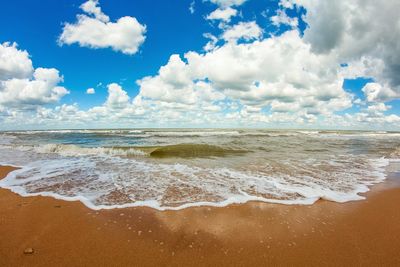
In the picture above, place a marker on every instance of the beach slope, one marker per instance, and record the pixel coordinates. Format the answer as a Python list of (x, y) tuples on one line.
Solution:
[(363, 233)]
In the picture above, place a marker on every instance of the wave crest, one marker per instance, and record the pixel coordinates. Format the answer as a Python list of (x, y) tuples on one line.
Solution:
[(167, 151), (193, 151), (74, 150)]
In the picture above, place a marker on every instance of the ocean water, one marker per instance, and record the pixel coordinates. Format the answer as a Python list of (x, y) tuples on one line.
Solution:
[(176, 168)]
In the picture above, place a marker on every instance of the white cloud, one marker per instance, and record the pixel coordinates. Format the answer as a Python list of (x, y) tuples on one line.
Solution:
[(117, 97), (242, 31), (376, 92), (22, 86), (90, 91), (223, 14), (91, 7), (40, 90), (212, 43), (95, 30), (286, 3), (244, 79), (14, 63), (175, 84), (192, 7), (345, 28), (280, 73), (228, 3), (281, 18), (374, 116), (378, 108)]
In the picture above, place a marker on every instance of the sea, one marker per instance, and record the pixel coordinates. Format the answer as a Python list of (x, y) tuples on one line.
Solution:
[(172, 169)]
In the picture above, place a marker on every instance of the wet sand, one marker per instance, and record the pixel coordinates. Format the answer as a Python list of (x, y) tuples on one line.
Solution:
[(363, 233)]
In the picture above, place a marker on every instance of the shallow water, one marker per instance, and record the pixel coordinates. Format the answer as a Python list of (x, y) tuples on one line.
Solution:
[(176, 168)]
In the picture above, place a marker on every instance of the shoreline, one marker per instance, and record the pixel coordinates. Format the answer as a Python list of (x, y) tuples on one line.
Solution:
[(389, 168), (66, 233)]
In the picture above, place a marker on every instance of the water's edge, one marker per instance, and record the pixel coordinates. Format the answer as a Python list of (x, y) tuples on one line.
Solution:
[(386, 175)]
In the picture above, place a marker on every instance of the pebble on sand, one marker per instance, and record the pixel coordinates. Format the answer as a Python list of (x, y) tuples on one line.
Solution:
[(29, 251)]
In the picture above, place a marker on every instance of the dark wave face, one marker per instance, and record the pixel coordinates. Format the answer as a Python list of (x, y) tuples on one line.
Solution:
[(178, 168), (193, 151)]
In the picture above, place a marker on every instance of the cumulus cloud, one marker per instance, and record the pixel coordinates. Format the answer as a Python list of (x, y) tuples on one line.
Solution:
[(378, 108), (41, 89), (223, 14), (95, 30), (212, 43), (175, 83), (91, 7), (21, 86), (243, 78), (90, 91), (228, 3), (281, 18), (242, 31), (376, 92), (117, 97), (14, 63), (279, 73), (374, 116), (238, 81), (345, 28)]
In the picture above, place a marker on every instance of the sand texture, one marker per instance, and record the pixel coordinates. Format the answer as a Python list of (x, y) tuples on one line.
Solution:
[(42, 231)]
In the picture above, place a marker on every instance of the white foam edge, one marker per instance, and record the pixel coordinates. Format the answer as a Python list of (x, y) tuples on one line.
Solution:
[(380, 165), (149, 203)]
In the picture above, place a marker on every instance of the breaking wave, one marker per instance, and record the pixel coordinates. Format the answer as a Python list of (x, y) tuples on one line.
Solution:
[(167, 151)]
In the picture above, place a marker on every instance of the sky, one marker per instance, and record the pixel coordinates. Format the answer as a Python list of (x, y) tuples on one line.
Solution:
[(200, 63)]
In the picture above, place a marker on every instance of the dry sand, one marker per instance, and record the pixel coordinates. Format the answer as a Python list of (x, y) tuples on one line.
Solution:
[(364, 233)]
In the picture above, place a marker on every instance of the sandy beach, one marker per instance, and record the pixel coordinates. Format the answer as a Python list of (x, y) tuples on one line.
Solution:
[(363, 233), (199, 133)]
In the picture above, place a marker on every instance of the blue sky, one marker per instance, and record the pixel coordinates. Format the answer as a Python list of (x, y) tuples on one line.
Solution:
[(172, 29), (362, 93), (36, 29)]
